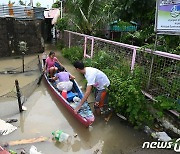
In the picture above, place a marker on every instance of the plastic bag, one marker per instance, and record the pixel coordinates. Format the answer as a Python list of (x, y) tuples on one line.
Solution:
[(6, 128), (33, 150)]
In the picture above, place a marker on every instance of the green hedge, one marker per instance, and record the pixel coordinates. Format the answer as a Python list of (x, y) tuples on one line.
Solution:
[(73, 54), (125, 94)]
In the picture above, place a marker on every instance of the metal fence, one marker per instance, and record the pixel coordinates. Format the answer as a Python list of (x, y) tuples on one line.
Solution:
[(161, 69)]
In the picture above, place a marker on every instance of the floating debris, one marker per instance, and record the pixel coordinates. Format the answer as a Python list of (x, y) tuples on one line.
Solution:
[(90, 128), (23, 151), (97, 149), (75, 135), (11, 120), (61, 136), (26, 141), (162, 136), (121, 116), (6, 128), (33, 150), (12, 152), (24, 108)]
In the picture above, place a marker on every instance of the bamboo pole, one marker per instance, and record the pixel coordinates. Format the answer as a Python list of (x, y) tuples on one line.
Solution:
[(18, 95)]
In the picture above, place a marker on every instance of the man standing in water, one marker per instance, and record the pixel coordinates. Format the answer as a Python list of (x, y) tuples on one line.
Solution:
[(95, 78)]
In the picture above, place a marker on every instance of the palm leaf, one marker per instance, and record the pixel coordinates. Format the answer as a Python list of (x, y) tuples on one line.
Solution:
[(87, 26), (90, 8), (76, 25), (83, 15)]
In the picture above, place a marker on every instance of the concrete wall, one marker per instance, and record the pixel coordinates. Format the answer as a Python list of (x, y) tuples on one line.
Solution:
[(13, 31)]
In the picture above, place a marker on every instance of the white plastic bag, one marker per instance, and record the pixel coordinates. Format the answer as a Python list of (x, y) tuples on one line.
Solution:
[(6, 128), (33, 150), (162, 136)]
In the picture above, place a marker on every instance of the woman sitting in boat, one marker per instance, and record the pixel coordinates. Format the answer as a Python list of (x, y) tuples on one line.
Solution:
[(63, 77), (50, 64)]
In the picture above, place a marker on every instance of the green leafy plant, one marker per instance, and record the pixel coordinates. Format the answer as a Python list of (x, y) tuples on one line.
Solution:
[(62, 24), (125, 97), (9, 2), (164, 103), (38, 4), (22, 3), (100, 60), (123, 23), (73, 54), (60, 45), (86, 16), (57, 4)]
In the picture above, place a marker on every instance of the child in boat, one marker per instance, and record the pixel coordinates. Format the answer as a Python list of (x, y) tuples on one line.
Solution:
[(63, 78)]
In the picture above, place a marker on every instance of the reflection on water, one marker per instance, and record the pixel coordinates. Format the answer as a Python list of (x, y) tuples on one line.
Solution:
[(46, 114), (9, 105), (7, 80)]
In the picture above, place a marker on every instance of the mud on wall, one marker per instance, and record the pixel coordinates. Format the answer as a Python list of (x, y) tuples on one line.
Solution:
[(12, 31)]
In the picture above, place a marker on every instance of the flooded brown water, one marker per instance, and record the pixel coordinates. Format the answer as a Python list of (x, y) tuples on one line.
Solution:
[(45, 114)]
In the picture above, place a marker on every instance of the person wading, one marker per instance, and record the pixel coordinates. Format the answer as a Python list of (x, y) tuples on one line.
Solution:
[(95, 78)]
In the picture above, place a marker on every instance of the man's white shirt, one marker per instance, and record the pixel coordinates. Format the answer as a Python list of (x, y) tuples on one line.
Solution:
[(96, 78)]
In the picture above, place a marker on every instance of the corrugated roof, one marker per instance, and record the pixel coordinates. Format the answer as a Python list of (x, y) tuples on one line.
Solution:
[(39, 12), (23, 12)]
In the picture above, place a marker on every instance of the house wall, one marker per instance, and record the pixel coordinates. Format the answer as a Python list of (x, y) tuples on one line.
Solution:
[(13, 31)]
